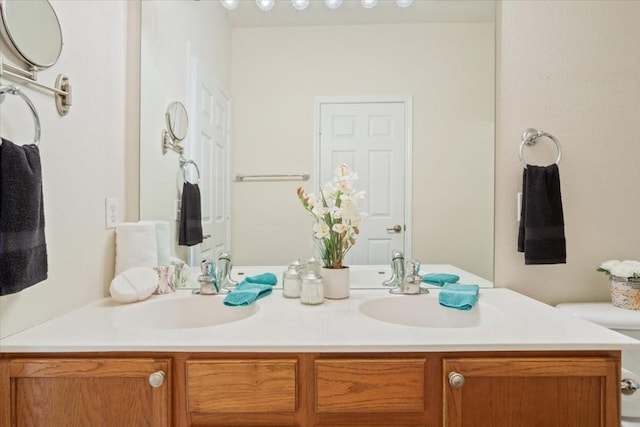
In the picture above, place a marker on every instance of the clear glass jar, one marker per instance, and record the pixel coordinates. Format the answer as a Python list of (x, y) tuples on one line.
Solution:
[(291, 283), (312, 289)]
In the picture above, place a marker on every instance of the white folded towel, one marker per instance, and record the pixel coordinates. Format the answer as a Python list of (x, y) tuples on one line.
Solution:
[(162, 240), (134, 284), (136, 246)]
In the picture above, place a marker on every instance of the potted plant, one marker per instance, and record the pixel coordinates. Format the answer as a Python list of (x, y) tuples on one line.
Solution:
[(624, 282), (337, 220)]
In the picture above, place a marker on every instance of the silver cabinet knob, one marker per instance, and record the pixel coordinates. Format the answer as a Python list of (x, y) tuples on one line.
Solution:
[(156, 379), (395, 229), (456, 380)]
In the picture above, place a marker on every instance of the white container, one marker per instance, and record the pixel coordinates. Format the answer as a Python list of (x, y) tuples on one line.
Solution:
[(312, 289), (291, 283)]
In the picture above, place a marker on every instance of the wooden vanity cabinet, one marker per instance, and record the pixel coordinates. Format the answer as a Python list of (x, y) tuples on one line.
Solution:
[(96, 392), (466, 389)]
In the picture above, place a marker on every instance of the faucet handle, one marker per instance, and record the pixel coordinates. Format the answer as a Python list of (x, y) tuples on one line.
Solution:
[(413, 268), (206, 266)]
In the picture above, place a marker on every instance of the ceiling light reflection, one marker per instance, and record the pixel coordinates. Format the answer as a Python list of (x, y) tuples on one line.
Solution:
[(368, 4), (333, 4), (230, 4), (265, 5), (300, 4)]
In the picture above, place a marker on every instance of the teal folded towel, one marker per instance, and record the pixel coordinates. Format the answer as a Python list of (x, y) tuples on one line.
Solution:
[(440, 279), (251, 289), (458, 296), (263, 279)]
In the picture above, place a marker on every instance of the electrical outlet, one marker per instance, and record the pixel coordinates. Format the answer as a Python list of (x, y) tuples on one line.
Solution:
[(177, 210), (111, 212)]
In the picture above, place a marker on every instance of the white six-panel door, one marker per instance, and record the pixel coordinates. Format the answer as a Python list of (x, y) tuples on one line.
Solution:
[(210, 127), (371, 137)]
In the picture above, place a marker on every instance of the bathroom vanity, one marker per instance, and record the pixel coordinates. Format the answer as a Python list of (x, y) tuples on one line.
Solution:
[(510, 361)]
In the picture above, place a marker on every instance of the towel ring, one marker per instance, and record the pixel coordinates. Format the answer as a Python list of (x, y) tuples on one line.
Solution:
[(183, 164), (530, 137), (13, 90)]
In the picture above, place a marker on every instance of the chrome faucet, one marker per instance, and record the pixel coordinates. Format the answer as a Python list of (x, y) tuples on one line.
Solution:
[(223, 273), (206, 280), (397, 270), (410, 284)]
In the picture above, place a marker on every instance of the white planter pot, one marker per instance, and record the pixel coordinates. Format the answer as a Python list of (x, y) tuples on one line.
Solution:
[(337, 282)]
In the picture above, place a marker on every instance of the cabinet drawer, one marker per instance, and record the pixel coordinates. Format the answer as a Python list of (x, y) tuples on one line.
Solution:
[(242, 386), (369, 385)]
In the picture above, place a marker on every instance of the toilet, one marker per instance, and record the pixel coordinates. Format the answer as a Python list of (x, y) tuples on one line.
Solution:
[(626, 322)]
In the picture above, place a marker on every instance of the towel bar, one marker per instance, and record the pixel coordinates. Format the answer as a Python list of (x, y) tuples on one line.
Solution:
[(183, 164), (13, 90), (302, 176), (530, 137)]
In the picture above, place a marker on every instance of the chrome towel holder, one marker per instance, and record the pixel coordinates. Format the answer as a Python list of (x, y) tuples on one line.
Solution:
[(530, 137), (184, 163), (13, 90)]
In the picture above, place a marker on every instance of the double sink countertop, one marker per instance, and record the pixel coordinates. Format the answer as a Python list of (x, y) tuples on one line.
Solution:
[(502, 320)]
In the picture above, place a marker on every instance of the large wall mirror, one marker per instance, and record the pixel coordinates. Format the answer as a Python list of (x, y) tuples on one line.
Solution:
[(254, 76)]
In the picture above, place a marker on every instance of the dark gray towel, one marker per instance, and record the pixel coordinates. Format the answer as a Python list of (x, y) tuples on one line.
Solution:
[(23, 250), (190, 232), (541, 231)]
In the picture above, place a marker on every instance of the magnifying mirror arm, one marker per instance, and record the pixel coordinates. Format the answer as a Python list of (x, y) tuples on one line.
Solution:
[(169, 143), (62, 89)]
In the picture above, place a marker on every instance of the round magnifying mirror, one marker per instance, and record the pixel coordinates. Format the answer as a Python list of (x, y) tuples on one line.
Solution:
[(32, 30), (177, 120)]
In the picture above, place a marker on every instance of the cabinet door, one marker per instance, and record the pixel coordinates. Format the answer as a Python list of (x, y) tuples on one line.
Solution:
[(562, 392), (84, 392)]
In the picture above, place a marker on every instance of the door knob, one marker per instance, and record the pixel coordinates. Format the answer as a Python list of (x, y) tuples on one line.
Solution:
[(156, 379), (456, 380), (396, 228), (206, 236)]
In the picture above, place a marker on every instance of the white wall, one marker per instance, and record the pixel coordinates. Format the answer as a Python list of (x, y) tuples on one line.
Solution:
[(86, 156), (173, 31), (448, 69), (572, 69)]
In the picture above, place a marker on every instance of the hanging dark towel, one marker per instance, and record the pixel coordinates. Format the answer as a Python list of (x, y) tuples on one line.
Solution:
[(541, 231), (23, 250), (190, 232)]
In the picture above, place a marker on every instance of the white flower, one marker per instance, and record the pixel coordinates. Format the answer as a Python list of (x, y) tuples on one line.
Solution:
[(607, 265), (321, 229), (339, 228), (319, 210), (624, 269)]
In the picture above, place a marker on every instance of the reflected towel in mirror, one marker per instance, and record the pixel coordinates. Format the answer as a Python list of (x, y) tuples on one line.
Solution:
[(190, 232)]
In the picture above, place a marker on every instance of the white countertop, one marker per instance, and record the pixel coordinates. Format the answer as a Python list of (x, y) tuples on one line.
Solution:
[(284, 325)]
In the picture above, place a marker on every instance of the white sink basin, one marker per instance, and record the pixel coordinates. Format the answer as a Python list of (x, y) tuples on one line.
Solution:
[(192, 311), (425, 311)]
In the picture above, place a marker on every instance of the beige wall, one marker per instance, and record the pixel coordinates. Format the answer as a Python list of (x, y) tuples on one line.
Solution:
[(448, 69), (86, 156), (571, 68)]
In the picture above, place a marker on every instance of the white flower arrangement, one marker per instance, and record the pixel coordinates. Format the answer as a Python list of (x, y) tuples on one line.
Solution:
[(337, 217), (625, 269)]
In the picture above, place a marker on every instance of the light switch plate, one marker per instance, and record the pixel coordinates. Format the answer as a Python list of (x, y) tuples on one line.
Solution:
[(111, 212)]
